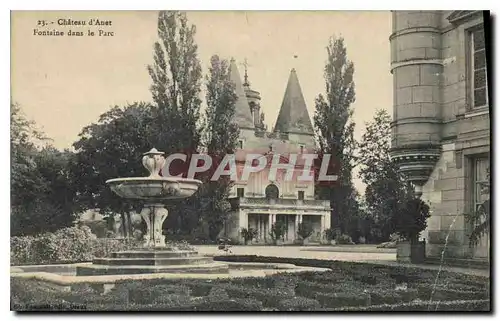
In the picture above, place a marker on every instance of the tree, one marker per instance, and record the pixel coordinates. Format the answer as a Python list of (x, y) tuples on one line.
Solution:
[(176, 76), (220, 138), (42, 194), (335, 129), (112, 148), (24, 136), (412, 218), (385, 186)]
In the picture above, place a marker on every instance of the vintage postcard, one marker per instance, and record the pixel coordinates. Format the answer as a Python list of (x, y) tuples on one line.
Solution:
[(250, 161)]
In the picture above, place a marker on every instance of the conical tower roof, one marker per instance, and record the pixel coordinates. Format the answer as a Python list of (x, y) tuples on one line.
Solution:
[(242, 115), (293, 116)]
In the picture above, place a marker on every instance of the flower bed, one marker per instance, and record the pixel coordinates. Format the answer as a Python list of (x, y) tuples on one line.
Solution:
[(347, 287)]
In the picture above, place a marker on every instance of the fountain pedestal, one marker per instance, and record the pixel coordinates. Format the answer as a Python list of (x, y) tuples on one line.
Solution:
[(148, 260), (154, 257), (154, 215)]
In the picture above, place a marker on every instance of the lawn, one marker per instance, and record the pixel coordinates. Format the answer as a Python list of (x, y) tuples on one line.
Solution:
[(347, 287)]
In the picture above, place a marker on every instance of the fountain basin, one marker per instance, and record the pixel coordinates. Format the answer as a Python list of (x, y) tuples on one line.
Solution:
[(154, 188)]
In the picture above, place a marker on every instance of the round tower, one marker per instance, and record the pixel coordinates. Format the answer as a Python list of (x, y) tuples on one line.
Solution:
[(416, 67)]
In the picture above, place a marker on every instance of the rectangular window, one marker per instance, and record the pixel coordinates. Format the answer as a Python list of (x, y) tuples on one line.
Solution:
[(480, 179), (240, 191), (478, 74), (301, 149), (240, 144), (301, 195)]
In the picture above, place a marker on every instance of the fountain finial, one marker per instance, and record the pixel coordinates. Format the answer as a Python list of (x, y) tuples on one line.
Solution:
[(153, 161)]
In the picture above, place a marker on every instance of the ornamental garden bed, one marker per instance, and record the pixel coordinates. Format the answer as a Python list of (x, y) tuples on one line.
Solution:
[(347, 287)]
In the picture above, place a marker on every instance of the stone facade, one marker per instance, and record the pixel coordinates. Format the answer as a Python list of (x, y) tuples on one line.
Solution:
[(441, 128), (261, 200)]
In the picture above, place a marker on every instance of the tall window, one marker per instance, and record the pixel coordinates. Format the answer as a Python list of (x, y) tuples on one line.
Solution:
[(301, 195), (240, 144), (478, 79), (480, 178), (240, 192)]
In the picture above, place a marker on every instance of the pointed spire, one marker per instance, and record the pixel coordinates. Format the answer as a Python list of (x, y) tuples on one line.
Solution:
[(242, 115), (245, 82), (293, 116)]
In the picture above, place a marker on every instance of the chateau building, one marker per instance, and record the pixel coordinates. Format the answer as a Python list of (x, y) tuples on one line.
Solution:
[(441, 127), (262, 200)]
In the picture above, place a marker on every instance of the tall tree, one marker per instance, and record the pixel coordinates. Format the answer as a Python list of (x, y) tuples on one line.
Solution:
[(176, 87), (220, 138), (112, 148), (42, 194), (385, 186), (335, 129)]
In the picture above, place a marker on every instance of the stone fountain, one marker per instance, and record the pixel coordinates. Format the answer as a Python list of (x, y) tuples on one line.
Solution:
[(153, 256)]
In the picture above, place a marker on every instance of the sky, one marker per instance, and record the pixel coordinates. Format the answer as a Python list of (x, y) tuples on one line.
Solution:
[(64, 83)]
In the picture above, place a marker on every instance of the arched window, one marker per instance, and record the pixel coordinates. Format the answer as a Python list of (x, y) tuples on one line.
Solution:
[(272, 191)]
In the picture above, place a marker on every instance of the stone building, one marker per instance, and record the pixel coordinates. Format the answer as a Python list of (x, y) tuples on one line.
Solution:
[(441, 128), (261, 200)]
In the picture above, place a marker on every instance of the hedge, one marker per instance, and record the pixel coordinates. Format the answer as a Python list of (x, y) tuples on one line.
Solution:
[(270, 298), (458, 306), (347, 287), (395, 273), (68, 245), (298, 304), (342, 299)]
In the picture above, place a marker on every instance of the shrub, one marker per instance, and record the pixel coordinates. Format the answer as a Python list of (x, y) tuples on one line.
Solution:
[(428, 292), (298, 304), (68, 245), (277, 230), (412, 218), (248, 234), (218, 293), (200, 288), (344, 239), (147, 293), (99, 228), (333, 300), (269, 298), (459, 305), (329, 234), (207, 304), (305, 230), (384, 297), (366, 278)]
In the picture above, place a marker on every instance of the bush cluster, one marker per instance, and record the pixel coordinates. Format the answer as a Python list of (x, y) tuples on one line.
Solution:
[(67, 245)]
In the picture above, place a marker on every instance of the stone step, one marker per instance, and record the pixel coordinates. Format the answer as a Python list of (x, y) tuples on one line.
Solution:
[(154, 261), (153, 254), (99, 269)]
